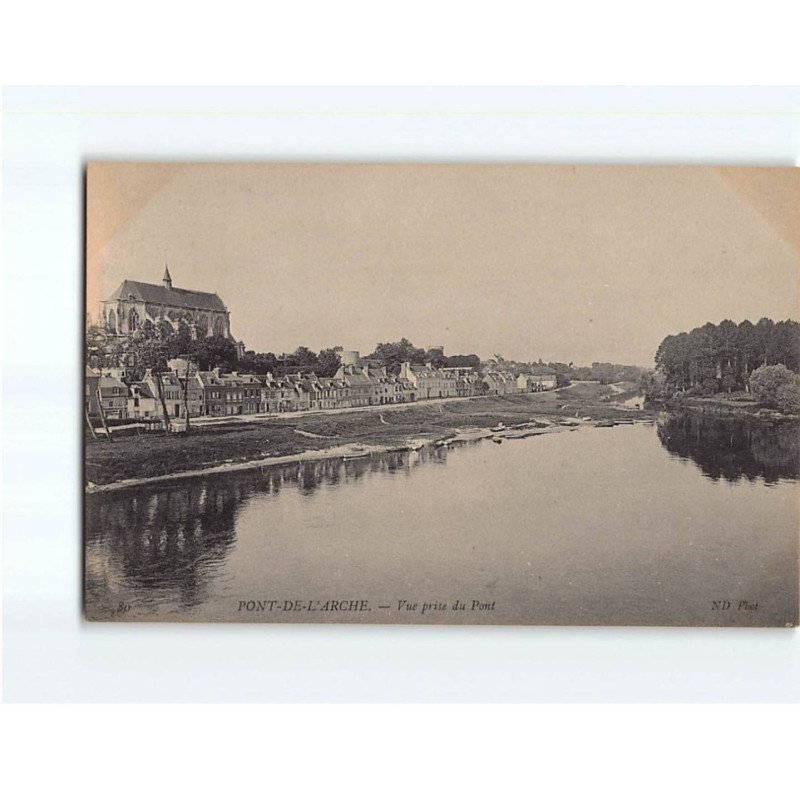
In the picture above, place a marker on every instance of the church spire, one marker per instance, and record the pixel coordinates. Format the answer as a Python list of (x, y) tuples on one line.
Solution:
[(167, 279)]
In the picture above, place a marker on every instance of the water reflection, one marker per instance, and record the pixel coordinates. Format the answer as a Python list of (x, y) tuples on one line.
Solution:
[(732, 448), (170, 541), (534, 525)]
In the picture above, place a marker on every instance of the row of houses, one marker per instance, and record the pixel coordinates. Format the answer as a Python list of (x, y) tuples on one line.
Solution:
[(210, 393)]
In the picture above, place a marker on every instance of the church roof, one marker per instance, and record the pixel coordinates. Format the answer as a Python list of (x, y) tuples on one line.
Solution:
[(181, 298)]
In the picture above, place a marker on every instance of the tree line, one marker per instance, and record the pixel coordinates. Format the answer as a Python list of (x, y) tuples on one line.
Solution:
[(151, 346), (392, 354), (601, 371), (721, 358)]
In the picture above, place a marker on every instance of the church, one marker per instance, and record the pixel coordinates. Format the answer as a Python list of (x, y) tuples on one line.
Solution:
[(135, 303)]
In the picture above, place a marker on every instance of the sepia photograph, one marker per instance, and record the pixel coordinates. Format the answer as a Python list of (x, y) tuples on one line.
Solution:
[(463, 394)]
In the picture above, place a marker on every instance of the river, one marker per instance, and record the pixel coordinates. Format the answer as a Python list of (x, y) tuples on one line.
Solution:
[(691, 520)]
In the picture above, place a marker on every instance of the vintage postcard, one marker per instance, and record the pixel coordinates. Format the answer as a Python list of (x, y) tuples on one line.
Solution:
[(442, 394)]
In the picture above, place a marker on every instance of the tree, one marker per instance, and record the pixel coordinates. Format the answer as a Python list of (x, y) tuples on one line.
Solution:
[(328, 362), (652, 386), (746, 349), (726, 346), (180, 342), (103, 350), (435, 356), (603, 372), (470, 360), (257, 363), (765, 328), (723, 356), (728, 378), (303, 357), (213, 351), (786, 344), (148, 349), (787, 397), (393, 354), (767, 380)]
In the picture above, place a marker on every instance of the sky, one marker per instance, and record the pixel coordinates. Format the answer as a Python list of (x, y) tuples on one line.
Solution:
[(575, 264)]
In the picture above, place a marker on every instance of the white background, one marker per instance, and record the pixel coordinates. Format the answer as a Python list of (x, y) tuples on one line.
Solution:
[(365, 751), (50, 654)]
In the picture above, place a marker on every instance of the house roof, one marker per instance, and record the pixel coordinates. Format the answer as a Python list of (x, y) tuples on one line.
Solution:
[(357, 379), (144, 389), (182, 298), (422, 372), (210, 378), (107, 384)]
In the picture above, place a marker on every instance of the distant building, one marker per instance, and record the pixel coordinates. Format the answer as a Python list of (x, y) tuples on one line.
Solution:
[(92, 382), (215, 393), (135, 303), (212, 394), (467, 380), (358, 385), (113, 397), (142, 403), (276, 395), (243, 393), (428, 382), (500, 382), (349, 358), (536, 383), (172, 391), (302, 386), (183, 365)]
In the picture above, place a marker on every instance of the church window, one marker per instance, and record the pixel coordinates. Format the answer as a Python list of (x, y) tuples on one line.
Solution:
[(133, 320), (112, 321)]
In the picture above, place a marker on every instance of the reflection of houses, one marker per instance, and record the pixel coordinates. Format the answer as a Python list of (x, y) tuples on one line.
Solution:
[(170, 539), (136, 303), (536, 383)]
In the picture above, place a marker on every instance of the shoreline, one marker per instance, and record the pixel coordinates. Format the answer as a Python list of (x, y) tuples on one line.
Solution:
[(136, 461), (354, 449), (351, 449), (722, 406)]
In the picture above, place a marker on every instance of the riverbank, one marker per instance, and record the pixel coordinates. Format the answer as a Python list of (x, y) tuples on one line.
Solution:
[(736, 404), (268, 441)]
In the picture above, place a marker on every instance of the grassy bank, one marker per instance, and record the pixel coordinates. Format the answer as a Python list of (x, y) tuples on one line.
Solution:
[(154, 454), (739, 404)]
